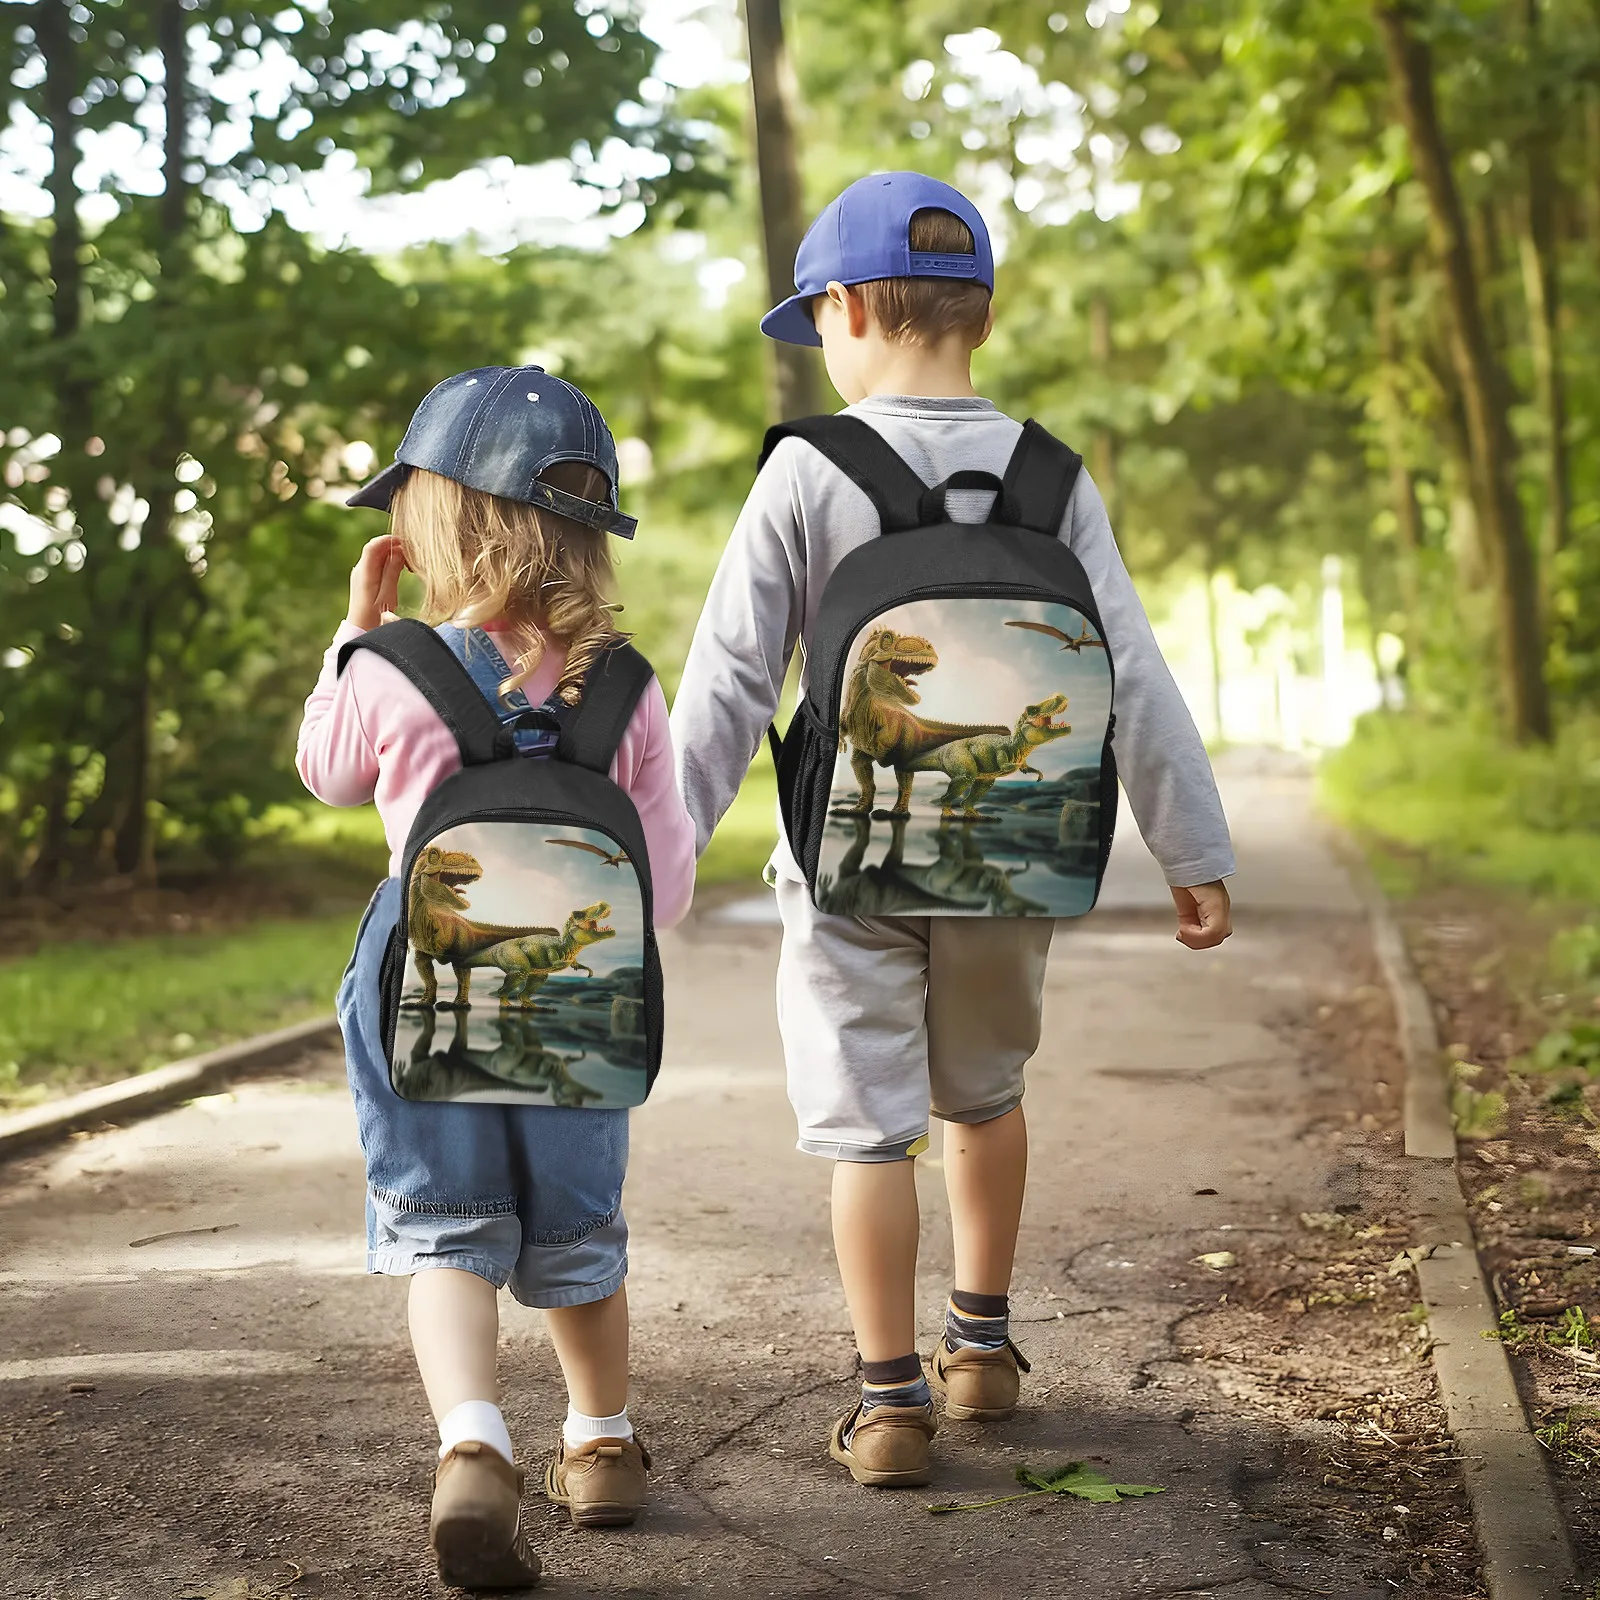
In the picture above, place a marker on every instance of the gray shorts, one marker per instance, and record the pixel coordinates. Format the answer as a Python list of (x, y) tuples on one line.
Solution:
[(885, 1019)]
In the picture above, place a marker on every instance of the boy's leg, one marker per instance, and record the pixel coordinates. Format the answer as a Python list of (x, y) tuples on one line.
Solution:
[(851, 997), (875, 1229), (985, 1174), (985, 998)]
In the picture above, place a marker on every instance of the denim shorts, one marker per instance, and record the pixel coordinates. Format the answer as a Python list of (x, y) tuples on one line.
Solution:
[(529, 1196)]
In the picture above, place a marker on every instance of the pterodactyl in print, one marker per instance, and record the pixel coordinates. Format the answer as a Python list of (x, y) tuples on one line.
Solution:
[(617, 860), (1073, 642)]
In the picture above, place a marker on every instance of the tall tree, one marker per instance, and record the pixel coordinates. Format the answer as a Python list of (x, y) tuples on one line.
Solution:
[(1541, 278), (1483, 385), (798, 390)]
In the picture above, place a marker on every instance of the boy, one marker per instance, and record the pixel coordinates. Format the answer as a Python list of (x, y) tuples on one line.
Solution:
[(885, 1018)]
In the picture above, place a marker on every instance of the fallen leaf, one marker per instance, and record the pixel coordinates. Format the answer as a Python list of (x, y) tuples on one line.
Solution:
[(1075, 1478), (1408, 1258), (1217, 1260), (1081, 1480)]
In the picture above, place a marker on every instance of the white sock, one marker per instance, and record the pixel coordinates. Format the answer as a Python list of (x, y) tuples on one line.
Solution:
[(579, 1429), (474, 1420)]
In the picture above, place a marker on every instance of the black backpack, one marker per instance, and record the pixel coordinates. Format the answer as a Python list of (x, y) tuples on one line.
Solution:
[(972, 792), (533, 872)]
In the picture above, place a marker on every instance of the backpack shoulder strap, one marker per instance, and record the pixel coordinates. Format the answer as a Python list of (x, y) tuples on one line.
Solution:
[(1038, 483), (611, 689), (432, 666), (859, 451)]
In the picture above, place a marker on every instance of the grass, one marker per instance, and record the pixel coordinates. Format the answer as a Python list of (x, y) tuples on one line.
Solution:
[(1470, 808), (88, 1011)]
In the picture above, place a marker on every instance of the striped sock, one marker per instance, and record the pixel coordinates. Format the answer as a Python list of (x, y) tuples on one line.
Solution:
[(890, 1383), (976, 1321)]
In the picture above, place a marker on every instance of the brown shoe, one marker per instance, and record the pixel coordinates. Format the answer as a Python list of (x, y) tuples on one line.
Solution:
[(889, 1447), (601, 1482), (980, 1385), (476, 1528)]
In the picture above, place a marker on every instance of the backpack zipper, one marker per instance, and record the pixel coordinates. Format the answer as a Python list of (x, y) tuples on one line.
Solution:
[(985, 591), (564, 818)]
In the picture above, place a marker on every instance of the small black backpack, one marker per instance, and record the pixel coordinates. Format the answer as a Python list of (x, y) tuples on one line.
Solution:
[(952, 753), (530, 873)]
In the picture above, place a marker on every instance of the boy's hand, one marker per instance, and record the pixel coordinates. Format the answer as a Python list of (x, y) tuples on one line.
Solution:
[(1205, 918), (375, 582)]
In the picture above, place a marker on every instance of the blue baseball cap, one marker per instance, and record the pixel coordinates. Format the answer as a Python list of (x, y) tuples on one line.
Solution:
[(866, 234), (496, 429)]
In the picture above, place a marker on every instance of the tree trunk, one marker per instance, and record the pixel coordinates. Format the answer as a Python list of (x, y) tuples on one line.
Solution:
[(1482, 386), (1103, 445), (63, 87), (798, 390), (1541, 282), (132, 847), (1402, 486), (1592, 187)]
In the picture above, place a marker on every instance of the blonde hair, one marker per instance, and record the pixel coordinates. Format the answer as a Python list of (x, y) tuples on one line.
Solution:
[(929, 310), (482, 557)]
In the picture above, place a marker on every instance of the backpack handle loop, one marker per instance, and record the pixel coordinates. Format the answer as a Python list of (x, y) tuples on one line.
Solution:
[(932, 508)]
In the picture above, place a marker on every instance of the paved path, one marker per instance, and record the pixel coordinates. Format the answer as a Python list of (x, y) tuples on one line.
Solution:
[(254, 1412)]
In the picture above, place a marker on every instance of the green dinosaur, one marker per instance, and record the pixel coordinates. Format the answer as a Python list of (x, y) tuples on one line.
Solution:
[(875, 715), (519, 1060), (975, 765), (528, 961), (436, 924)]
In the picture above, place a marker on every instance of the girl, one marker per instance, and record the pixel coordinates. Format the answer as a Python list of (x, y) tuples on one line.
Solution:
[(501, 498)]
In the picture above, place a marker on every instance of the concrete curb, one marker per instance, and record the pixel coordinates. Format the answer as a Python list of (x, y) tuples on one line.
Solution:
[(154, 1091), (1527, 1553)]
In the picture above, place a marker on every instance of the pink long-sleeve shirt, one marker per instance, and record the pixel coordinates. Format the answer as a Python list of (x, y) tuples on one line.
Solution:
[(370, 735)]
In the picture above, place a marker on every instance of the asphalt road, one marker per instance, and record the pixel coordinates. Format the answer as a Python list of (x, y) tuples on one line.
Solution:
[(203, 1395)]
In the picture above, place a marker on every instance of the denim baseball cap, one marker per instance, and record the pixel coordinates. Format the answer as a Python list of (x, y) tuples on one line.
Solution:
[(496, 429), (866, 234)]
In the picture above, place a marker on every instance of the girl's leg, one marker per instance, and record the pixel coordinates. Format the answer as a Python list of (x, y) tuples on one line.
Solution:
[(985, 1174), (455, 1332), (875, 1232), (592, 1346), (599, 1472)]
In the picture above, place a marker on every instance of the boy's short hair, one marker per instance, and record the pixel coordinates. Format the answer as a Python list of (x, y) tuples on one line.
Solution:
[(928, 310)]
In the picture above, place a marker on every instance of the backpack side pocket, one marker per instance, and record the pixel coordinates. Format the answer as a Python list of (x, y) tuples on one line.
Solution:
[(805, 779), (1108, 803)]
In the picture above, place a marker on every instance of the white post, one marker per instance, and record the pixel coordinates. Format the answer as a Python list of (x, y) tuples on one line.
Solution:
[(1335, 704)]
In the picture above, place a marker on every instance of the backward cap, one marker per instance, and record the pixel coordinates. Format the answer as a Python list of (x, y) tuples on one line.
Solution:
[(865, 234), (496, 429)]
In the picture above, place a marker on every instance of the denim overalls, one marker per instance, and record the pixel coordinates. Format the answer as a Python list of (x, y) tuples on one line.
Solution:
[(529, 1196)]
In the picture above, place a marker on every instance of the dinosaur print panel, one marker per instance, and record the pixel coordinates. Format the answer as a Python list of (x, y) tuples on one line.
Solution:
[(967, 780), (524, 970)]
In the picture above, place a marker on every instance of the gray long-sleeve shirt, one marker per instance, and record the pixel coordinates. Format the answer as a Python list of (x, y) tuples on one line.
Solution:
[(804, 516)]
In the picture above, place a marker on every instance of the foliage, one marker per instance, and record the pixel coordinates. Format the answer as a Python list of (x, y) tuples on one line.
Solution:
[(1219, 278), (1475, 807), (190, 381), (1477, 1113)]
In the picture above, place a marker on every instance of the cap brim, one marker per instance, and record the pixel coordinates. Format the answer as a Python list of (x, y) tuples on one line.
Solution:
[(791, 322), (378, 492)]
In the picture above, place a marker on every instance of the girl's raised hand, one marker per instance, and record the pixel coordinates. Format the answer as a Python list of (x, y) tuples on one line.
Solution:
[(375, 581)]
